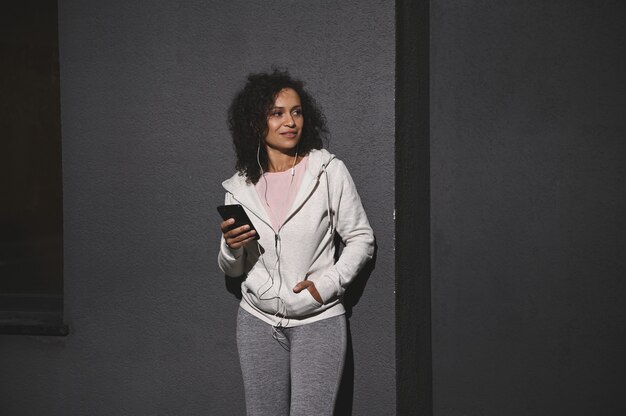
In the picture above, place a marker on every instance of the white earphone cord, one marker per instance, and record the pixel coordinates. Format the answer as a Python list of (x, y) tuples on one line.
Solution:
[(281, 307)]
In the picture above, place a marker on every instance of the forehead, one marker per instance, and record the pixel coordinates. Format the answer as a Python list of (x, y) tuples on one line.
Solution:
[(287, 97)]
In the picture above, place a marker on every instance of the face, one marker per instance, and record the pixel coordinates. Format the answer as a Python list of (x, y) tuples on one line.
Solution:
[(285, 122)]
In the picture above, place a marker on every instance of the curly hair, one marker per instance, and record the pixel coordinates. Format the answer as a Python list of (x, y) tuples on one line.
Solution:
[(247, 120)]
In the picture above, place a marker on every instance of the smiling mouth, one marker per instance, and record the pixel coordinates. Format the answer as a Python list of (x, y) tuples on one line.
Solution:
[(289, 134)]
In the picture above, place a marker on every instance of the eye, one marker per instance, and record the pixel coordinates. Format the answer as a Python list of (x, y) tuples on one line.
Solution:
[(297, 112), (276, 113)]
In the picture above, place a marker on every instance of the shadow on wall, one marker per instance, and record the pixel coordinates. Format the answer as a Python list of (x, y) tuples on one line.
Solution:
[(350, 299)]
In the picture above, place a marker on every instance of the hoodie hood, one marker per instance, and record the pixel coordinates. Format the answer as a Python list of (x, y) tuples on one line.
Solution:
[(245, 193), (318, 161)]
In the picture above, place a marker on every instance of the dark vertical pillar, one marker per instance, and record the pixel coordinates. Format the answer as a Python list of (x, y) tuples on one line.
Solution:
[(31, 180), (412, 210), (527, 129)]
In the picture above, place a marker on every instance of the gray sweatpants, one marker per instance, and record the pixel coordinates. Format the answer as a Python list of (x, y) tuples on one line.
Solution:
[(299, 375)]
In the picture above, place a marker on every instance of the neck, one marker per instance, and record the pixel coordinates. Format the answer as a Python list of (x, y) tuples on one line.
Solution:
[(279, 162)]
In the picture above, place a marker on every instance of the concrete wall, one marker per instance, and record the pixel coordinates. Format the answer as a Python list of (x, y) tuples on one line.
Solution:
[(527, 154), (144, 90)]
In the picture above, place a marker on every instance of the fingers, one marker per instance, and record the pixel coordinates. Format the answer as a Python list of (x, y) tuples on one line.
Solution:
[(238, 244), (237, 237), (307, 284), (238, 232), (225, 225), (240, 239), (315, 293), (301, 286), (235, 232)]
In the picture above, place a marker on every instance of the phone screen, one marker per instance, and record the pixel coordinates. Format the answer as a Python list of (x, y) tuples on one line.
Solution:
[(236, 212)]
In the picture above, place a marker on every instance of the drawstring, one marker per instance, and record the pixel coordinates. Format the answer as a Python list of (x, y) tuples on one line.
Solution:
[(331, 227)]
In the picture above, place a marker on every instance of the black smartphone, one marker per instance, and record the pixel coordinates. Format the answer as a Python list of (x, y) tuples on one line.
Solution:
[(237, 212)]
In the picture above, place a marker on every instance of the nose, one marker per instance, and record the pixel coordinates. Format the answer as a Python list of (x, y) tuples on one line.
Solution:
[(289, 121)]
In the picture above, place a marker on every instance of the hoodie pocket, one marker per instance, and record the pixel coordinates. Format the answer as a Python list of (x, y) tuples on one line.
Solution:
[(259, 291), (301, 304)]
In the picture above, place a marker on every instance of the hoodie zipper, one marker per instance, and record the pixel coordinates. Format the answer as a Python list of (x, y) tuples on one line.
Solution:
[(293, 210)]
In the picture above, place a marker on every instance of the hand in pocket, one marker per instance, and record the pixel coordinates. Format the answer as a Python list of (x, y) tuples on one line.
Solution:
[(310, 286)]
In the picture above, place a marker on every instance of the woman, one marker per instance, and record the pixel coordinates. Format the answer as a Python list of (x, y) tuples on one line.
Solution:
[(291, 327)]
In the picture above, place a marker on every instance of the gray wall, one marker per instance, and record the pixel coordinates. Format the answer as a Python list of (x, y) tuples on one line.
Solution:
[(144, 90), (528, 115)]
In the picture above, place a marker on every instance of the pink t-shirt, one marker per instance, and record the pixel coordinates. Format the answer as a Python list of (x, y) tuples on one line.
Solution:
[(278, 190)]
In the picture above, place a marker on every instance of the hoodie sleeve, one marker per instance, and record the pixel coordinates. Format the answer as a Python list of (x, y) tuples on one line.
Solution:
[(231, 261), (351, 224)]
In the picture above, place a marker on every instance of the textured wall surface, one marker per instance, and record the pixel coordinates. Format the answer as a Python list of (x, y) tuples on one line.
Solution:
[(528, 125), (144, 91)]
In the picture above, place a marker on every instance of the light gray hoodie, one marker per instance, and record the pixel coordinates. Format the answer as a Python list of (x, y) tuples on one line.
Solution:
[(303, 248)]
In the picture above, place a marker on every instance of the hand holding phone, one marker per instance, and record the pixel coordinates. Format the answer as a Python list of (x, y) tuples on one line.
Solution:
[(237, 227)]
